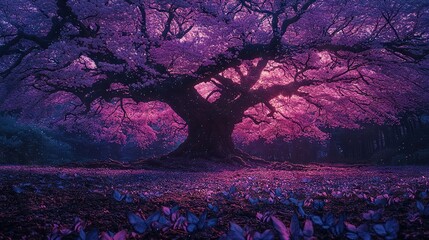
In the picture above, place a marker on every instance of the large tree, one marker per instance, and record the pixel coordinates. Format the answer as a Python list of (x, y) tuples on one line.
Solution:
[(144, 69)]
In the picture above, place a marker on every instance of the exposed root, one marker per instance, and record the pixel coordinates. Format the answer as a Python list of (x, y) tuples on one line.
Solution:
[(237, 160), (194, 164), (111, 164), (287, 166)]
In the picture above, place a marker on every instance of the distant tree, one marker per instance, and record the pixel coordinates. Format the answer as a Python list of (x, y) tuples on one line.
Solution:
[(127, 70), (28, 144)]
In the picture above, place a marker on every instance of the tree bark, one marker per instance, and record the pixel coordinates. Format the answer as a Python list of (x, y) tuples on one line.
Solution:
[(209, 128), (207, 138)]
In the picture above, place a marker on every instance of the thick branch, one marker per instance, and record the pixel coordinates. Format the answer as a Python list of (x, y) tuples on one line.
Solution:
[(264, 95), (254, 74), (65, 15)]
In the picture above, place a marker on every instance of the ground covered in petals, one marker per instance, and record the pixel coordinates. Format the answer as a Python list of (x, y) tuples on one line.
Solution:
[(320, 202)]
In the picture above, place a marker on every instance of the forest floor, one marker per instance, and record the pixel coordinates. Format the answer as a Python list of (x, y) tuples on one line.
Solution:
[(327, 202)]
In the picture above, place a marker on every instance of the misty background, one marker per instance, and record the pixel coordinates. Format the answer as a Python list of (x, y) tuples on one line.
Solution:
[(406, 143)]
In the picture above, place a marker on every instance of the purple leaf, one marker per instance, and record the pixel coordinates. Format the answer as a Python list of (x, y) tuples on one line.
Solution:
[(301, 211), (281, 228), (295, 229), (121, 235), (212, 222), (317, 220), (213, 208), (202, 220), (364, 235), (236, 228), (137, 222), (82, 235), (54, 236), (308, 230), (179, 223), (372, 215), (154, 217), (191, 228), (328, 220), (128, 198), (420, 206), (232, 189), (392, 226), (17, 189), (380, 230), (166, 210), (163, 220), (118, 196), (174, 209), (318, 204), (266, 235), (352, 236), (192, 218), (174, 216), (235, 232), (91, 235), (350, 227), (339, 227)]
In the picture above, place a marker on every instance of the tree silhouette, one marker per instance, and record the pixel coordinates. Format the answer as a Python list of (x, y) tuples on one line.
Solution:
[(210, 70)]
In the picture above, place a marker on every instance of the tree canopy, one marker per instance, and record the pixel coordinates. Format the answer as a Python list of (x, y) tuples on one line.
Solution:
[(140, 70)]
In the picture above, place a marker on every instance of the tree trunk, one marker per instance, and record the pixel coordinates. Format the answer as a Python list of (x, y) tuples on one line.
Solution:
[(209, 128), (207, 138)]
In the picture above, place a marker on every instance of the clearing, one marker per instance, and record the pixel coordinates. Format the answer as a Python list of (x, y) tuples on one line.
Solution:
[(37, 202)]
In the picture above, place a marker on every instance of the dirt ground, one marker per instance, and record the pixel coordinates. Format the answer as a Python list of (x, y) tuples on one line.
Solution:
[(36, 202)]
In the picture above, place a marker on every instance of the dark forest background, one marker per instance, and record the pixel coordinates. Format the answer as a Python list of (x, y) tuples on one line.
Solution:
[(406, 143)]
